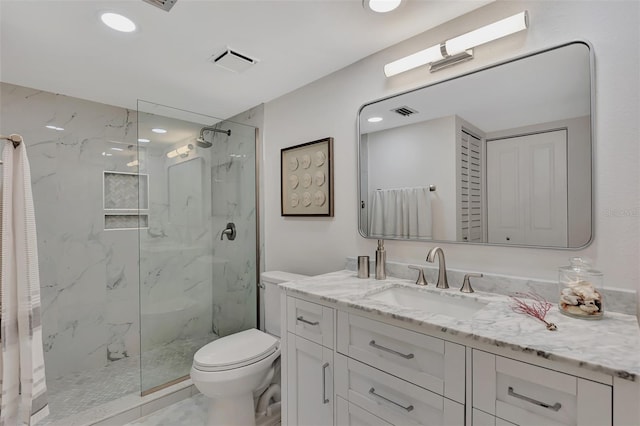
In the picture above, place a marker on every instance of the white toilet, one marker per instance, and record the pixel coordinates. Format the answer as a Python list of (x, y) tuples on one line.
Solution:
[(231, 369)]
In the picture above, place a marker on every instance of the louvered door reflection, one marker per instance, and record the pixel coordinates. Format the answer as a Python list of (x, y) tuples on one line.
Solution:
[(470, 189)]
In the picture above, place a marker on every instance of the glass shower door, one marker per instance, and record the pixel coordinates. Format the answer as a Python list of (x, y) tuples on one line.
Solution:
[(196, 284)]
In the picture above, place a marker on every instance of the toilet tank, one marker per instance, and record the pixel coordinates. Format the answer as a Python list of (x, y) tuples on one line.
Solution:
[(269, 281)]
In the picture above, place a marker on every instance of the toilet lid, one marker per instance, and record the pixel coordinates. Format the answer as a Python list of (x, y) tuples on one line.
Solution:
[(235, 350)]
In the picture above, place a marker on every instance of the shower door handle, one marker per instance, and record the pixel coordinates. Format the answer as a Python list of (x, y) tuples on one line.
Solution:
[(229, 231)]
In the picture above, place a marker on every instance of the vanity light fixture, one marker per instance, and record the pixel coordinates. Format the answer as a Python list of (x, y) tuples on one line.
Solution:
[(381, 6), (183, 151), (117, 22), (459, 48), (374, 119)]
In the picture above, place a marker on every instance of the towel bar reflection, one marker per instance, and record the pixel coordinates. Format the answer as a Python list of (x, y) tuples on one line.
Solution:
[(432, 188)]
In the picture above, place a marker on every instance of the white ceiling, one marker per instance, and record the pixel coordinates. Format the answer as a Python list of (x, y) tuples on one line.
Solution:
[(62, 47)]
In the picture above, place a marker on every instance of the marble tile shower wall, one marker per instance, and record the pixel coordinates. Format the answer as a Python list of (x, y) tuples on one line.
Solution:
[(92, 279), (234, 262), (89, 277), (175, 272)]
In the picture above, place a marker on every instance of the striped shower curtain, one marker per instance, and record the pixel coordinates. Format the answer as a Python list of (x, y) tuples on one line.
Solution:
[(23, 400)]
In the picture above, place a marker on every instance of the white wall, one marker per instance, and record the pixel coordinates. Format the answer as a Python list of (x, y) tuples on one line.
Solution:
[(328, 107)]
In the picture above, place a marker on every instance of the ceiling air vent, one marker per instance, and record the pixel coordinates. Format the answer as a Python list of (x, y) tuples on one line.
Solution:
[(165, 5), (404, 111), (233, 61)]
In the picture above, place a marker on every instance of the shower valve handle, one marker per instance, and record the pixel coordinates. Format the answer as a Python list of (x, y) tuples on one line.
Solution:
[(229, 231)]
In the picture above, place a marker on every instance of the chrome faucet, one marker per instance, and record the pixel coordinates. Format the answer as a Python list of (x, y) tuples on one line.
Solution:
[(442, 267)]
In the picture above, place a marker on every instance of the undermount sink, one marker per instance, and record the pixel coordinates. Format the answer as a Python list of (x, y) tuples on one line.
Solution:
[(456, 307)]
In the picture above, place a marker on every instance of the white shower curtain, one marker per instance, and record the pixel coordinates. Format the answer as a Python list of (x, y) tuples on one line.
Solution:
[(23, 400), (400, 213)]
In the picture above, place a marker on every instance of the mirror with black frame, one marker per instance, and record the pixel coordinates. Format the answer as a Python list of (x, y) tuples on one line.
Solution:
[(502, 155)]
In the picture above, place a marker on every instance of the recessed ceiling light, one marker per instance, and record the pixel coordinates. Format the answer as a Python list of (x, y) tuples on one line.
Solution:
[(381, 6), (158, 130), (374, 119), (118, 22), (143, 140)]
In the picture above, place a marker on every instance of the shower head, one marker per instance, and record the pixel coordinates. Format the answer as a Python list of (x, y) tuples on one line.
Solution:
[(202, 142)]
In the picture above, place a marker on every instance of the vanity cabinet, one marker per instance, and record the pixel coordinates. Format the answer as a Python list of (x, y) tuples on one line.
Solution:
[(526, 394), (343, 366), (309, 363)]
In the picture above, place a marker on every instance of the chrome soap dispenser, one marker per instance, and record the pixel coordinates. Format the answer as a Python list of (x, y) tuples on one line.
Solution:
[(381, 258)]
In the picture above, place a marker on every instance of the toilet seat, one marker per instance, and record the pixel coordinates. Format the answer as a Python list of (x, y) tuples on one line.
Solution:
[(235, 351)]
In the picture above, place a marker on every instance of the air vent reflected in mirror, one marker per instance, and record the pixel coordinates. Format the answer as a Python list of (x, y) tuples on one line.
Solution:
[(404, 111)]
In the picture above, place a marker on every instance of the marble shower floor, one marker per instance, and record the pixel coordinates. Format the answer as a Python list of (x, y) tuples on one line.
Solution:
[(78, 392)]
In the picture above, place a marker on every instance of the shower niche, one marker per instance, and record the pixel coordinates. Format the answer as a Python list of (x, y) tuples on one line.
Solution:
[(125, 200)]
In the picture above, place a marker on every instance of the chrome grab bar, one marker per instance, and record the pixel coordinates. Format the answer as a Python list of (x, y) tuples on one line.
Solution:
[(554, 407), (391, 351), (301, 319), (325, 400), (408, 409)]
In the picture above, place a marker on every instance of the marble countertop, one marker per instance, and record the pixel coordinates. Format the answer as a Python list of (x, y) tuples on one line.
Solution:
[(610, 345)]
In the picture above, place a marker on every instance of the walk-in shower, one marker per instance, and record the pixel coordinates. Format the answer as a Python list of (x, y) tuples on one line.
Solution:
[(134, 275), (195, 286)]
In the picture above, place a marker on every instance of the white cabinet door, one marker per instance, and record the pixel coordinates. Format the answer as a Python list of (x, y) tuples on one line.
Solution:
[(527, 189), (309, 382)]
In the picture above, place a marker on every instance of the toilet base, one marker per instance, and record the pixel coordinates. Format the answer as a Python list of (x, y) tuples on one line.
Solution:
[(233, 411)]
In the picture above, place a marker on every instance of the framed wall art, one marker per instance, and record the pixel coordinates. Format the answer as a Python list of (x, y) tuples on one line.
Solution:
[(306, 173)]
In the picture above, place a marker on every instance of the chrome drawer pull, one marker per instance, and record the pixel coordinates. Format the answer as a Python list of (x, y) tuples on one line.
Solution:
[(408, 409), (554, 407), (391, 351), (325, 400), (301, 319)]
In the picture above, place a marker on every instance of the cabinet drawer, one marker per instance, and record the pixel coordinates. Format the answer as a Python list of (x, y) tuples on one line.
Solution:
[(348, 414), (392, 399), (311, 321), (426, 361), (526, 394), (480, 418)]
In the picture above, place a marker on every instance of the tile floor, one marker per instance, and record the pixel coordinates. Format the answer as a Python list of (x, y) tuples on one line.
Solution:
[(78, 392), (189, 412)]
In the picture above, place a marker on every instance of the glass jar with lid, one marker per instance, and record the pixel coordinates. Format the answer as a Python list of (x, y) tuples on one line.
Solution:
[(580, 290)]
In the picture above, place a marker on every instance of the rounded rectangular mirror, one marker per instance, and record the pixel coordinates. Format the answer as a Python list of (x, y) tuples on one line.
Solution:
[(502, 155)]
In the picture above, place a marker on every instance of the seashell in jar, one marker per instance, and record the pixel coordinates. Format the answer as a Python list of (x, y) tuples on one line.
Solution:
[(569, 299), (590, 307), (585, 290)]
